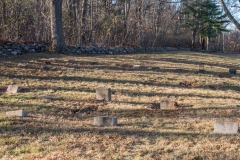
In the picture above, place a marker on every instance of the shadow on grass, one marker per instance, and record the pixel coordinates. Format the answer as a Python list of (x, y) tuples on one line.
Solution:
[(24, 126), (185, 61), (122, 66), (90, 79)]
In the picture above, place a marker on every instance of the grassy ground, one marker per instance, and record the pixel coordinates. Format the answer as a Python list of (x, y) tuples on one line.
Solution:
[(61, 128)]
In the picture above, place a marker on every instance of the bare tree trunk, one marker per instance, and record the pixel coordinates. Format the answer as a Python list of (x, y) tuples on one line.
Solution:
[(83, 22), (194, 32), (229, 14), (58, 43), (221, 42), (3, 19), (208, 45), (4, 12), (126, 14)]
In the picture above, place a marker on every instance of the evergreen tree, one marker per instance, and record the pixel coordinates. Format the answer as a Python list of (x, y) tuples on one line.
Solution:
[(204, 18)]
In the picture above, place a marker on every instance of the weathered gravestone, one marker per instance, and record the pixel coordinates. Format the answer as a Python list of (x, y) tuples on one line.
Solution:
[(53, 59), (103, 93), (47, 97), (22, 65), (136, 66), (155, 68), (201, 68), (71, 60), (48, 62), (105, 121), (94, 62), (70, 69), (167, 104), (46, 68), (225, 127), (20, 113), (14, 89), (233, 71), (153, 106)]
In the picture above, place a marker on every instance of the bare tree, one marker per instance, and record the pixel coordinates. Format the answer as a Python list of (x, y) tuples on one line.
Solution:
[(58, 42), (228, 13)]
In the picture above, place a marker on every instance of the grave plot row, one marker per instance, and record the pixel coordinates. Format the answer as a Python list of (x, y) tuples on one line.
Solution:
[(201, 69), (104, 93)]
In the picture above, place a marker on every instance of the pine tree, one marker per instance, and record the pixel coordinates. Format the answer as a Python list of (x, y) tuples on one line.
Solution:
[(204, 18)]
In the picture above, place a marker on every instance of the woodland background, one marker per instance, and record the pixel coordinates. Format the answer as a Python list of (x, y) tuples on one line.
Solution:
[(148, 23)]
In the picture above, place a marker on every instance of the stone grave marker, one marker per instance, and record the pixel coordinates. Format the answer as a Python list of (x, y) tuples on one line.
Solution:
[(201, 68), (103, 93), (47, 97), (155, 68), (225, 127), (14, 89), (105, 121), (167, 104), (22, 65), (94, 62), (136, 66), (46, 68), (233, 71), (71, 60), (153, 106), (70, 69), (179, 70), (53, 59), (48, 62), (20, 113)]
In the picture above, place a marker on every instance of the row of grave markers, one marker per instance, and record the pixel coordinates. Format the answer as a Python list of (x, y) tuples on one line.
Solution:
[(232, 71), (222, 127), (103, 93)]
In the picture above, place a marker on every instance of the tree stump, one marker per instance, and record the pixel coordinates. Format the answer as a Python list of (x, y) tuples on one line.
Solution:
[(105, 121)]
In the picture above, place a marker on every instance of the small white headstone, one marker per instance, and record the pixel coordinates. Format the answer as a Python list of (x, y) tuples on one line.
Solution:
[(47, 97), (105, 121), (225, 127), (70, 69), (137, 66), (20, 113), (22, 64), (167, 104), (13, 89)]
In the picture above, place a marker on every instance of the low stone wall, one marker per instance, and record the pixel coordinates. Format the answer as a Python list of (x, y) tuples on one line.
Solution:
[(18, 48)]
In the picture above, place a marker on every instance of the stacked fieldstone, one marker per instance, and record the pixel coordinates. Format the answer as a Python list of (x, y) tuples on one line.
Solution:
[(18, 48)]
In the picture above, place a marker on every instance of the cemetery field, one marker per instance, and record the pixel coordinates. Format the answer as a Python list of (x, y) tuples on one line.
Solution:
[(60, 98)]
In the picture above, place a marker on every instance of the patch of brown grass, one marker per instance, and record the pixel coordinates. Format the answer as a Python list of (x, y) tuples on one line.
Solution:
[(61, 128)]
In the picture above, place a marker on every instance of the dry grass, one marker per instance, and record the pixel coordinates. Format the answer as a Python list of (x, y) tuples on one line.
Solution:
[(61, 128)]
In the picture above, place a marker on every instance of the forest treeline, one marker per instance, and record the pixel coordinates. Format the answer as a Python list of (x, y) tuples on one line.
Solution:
[(148, 23)]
